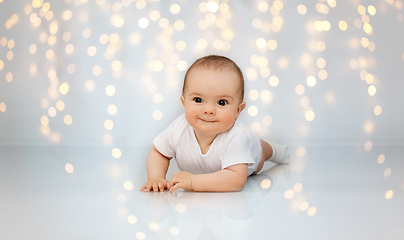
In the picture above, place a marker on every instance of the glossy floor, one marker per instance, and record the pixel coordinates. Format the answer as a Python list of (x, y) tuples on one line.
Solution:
[(324, 193)]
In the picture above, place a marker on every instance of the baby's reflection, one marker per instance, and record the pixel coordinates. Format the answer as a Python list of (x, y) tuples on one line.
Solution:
[(212, 215), (267, 178)]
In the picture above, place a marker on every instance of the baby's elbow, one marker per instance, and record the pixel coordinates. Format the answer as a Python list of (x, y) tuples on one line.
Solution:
[(239, 184), (238, 177)]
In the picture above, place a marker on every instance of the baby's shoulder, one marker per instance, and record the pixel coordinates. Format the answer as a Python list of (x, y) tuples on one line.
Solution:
[(236, 134), (180, 122), (181, 118), (179, 127)]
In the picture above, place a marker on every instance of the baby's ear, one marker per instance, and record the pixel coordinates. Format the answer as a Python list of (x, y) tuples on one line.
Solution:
[(241, 107), (183, 100)]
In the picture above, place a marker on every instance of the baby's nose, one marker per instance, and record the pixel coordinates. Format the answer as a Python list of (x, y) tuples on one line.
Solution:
[(209, 111)]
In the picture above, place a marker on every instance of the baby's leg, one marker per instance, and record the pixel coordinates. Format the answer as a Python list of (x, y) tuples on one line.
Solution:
[(267, 152), (274, 153)]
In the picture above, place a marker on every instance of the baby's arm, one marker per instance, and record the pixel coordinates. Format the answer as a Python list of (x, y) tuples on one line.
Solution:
[(157, 166), (230, 179)]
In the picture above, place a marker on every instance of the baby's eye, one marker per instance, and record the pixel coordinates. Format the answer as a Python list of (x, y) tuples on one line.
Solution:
[(198, 100), (222, 102)]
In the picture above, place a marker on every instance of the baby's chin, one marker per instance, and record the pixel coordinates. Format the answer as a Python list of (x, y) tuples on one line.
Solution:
[(211, 130)]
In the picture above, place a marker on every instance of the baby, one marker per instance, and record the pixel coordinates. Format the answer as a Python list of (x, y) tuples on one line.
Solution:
[(212, 149)]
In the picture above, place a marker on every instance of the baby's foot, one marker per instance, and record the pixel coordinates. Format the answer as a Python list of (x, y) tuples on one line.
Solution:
[(280, 153)]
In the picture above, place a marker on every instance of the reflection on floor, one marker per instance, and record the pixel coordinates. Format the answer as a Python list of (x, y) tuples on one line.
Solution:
[(85, 193)]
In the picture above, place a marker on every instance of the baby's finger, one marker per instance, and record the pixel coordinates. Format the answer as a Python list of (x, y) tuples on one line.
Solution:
[(175, 187), (150, 187), (155, 187), (173, 181), (161, 186), (143, 187)]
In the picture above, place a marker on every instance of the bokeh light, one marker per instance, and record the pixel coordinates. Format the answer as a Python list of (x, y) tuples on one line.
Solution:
[(132, 219), (143, 23), (311, 211), (91, 51), (302, 9), (381, 159), (311, 81), (116, 153), (69, 168), (301, 151), (266, 183), (299, 89), (289, 194), (122, 198), (273, 81), (110, 90), (253, 94), (68, 120), (255, 127), (304, 206), (157, 115), (52, 111), (154, 15), (265, 72), (174, 231), (175, 9), (261, 43), (272, 44), (266, 96), (368, 146), (330, 97), (9, 77), (140, 235), (108, 124), (305, 102), (112, 109), (128, 185), (369, 127), (387, 172), (60, 105), (310, 115), (180, 207), (267, 121), (342, 25), (107, 139), (2, 107), (90, 85), (64, 88), (252, 111), (389, 194), (297, 187), (283, 63), (371, 10), (182, 65), (154, 226)]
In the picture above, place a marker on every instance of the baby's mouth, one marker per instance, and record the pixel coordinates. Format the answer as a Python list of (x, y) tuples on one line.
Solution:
[(208, 121)]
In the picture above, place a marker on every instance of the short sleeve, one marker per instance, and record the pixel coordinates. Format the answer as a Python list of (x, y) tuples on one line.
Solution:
[(239, 150), (167, 141)]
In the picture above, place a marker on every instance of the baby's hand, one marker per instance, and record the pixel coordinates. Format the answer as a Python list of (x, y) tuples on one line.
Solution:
[(156, 183), (181, 180)]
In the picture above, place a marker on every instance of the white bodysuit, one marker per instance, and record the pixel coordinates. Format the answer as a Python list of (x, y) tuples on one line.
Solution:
[(235, 146)]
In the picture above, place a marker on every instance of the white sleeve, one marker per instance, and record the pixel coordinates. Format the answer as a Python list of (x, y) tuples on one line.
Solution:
[(166, 142), (239, 150)]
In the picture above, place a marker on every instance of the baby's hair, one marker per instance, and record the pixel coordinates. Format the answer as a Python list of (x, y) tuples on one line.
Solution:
[(217, 63)]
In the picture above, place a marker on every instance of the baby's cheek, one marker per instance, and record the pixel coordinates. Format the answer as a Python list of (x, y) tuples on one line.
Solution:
[(191, 112), (190, 115), (229, 120)]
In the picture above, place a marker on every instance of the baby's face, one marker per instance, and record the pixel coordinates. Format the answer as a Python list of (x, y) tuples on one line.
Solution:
[(212, 100)]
